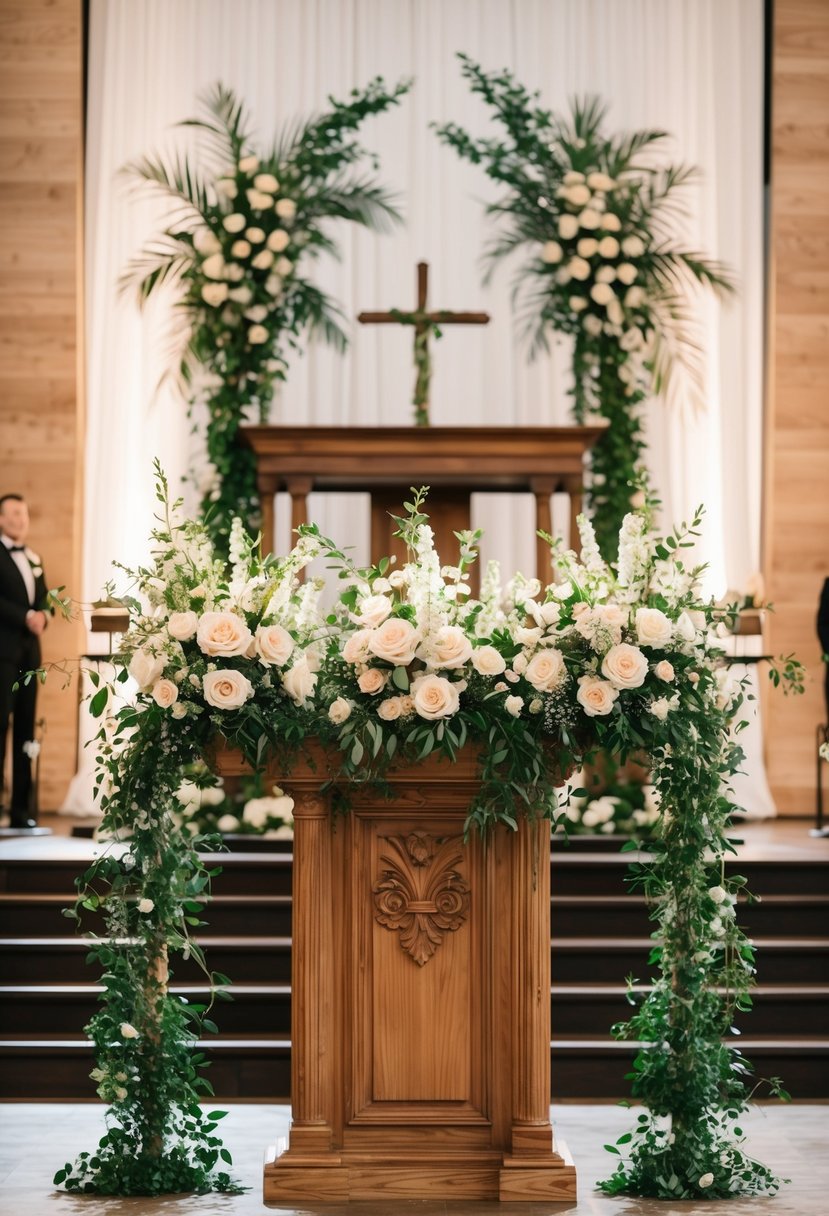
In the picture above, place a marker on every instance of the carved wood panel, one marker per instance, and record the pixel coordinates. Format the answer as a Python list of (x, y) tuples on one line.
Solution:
[(421, 893)]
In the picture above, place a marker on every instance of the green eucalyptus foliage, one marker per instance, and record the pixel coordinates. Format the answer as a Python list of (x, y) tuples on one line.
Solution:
[(244, 228), (596, 215)]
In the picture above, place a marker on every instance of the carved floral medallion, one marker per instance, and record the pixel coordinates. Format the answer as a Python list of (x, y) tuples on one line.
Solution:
[(420, 892)]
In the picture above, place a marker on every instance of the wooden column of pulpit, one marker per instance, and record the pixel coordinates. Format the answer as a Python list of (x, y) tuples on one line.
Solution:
[(455, 462), (420, 1030)]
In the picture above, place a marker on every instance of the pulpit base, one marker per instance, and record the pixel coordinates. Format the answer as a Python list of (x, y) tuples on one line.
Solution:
[(342, 1180)]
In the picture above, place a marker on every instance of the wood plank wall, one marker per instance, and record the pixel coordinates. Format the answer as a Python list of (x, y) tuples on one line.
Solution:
[(797, 471), (41, 65)]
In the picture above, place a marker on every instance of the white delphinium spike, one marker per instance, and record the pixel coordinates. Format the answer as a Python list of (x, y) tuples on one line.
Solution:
[(238, 550), (492, 613), (635, 554), (307, 613), (426, 584), (591, 558)]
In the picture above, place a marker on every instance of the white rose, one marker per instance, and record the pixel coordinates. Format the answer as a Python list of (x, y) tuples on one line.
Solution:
[(339, 711), (577, 303), (568, 226), (372, 681), (278, 240), (435, 697), (274, 645), (596, 696), (234, 222), (625, 666), (514, 705), (227, 689), (300, 682), (614, 312), (601, 293), (182, 625), (577, 194), (165, 693), (589, 219), (283, 266), (372, 611), (257, 334), (240, 249), (241, 295), (545, 670), (266, 182), (390, 709), (592, 324), (717, 894), (633, 246), (258, 313), (285, 208), (449, 647), (706, 1180), (653, 628), (273, 285), (634, 297), (395, 641), (487, 661), (223, 634), (128, 1031), (587, 246), (611, 222), (227, 188), (206, 242), (214, 266), (355, 649), (397, 579), (685, 629), (660, 708), (600, 181), (227, 823), (258, 200), (263, 260), (145, 905), (551, 252), (609, 247), (664, 671), (255, 235), (573, 175), (249, 164), (626, 273), (179, 710), (546, 615), (145, 667), (579, 269)]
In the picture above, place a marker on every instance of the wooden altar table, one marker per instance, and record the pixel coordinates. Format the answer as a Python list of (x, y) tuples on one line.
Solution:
[(455, 462)]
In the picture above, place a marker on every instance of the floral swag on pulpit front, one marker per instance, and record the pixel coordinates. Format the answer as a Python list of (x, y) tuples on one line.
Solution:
[(238, 655)]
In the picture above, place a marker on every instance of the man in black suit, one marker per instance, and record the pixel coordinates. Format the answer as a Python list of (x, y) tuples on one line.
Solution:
[(23, 618)]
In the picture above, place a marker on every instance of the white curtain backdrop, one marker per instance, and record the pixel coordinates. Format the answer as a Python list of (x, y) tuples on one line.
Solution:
[(691, 67)]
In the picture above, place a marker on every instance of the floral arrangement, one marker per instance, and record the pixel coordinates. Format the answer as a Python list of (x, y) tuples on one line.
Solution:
[(205, 807), (626, 808), (596, 215), (405, 665), (238, 248)]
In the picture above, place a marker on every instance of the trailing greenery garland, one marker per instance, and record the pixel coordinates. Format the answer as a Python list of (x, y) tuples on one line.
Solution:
[(596, 214), (235, 248)]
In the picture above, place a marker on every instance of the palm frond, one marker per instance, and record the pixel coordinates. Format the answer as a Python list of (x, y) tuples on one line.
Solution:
[(361, 200), (227, 125), (621, 154), (158, 263), (678, 357), (675, 270), (324, 317), (176, 179)]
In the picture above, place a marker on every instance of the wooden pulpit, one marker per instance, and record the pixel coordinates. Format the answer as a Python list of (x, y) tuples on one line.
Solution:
[(455, 462), (420, 992)]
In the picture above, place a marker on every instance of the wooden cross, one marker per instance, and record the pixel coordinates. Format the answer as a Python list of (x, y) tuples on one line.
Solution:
[(426, 324)]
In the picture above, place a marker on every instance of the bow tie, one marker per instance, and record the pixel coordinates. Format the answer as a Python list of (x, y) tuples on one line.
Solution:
[(17, 548)]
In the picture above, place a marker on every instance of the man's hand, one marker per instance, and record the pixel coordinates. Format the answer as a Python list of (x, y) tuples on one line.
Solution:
[(35, 622)]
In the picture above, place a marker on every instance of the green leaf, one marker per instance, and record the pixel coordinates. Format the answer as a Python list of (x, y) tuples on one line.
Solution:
[(400, 679), (98, 703)]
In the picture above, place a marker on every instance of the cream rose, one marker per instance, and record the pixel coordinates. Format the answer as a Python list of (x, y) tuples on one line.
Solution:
[(609, 247), (596, 696), (625, 666), (274, 645), (285, 208), (579, 269), (664, 671), (371, 681), (278, 240), (395, 641), (259, 200), (257, 335), (145, 906), (234, 222), (214, 294), (653, 628), (390, 709), (145, 667), (578, 194), (206, 242), (300, 682), (373, 610), (601, 293), (568, 226), (249, 164), (626, 273), (266, 182), (435, 697), (182, 625), (487, 661), (165, 693), (551, 252), (223, 634), (633, 246), (355, 649), (128, 1031), (590, 218), (514, 705), (263, 260), (449, 647), (545, 670), (600, 181), (226, 689), (339, 711)]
